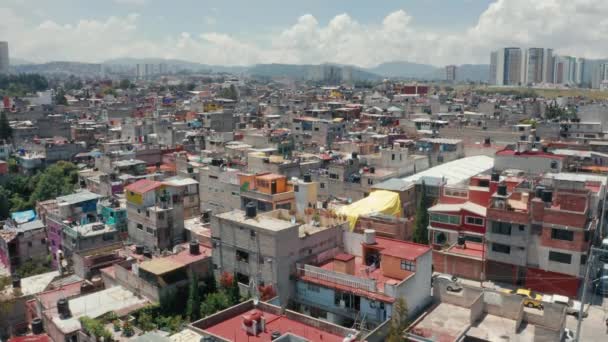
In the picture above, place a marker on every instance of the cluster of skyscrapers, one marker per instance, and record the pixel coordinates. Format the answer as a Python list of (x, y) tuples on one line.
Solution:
[(145, 71), (513, 66)]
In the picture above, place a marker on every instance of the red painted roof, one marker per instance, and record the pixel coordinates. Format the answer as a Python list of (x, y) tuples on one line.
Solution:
[(344, 257), (143, 185), (538, 154), (49, 299), (232, 330), (399, 249)]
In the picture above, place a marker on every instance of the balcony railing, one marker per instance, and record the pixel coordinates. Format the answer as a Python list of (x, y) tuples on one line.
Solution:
[(336, 278)]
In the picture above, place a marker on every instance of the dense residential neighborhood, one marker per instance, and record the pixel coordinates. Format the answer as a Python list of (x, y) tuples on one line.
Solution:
[(159, 202)]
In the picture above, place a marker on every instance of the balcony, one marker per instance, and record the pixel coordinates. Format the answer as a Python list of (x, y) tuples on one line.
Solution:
[(336, 278)]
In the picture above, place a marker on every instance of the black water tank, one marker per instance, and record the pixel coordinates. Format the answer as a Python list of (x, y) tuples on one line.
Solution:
[(372, 170), (194, 247), (547, 196), (545, 149), (522, 138), (250, 210), (502, 190), (147, 253), (461, 240), (139, 249), (63, 308), (487, 141), (307, 178), (538, 192), (37, 327), (495, 177), (16, 282), (354, 155)]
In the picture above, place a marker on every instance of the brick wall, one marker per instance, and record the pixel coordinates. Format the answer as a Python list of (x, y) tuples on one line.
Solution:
[(577, 244)]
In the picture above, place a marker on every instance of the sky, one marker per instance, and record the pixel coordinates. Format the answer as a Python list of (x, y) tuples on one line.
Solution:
[(246, 32)]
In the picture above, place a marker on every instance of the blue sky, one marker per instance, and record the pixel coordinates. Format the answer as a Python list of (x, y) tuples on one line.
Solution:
[(245, 32)]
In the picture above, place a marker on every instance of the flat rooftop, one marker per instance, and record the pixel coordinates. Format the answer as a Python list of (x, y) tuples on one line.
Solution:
[(117, 299), (456, 171), (78, 197), (231, 329), (261, 221), (444, 324)]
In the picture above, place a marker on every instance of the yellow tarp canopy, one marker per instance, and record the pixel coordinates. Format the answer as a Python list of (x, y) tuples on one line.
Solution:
[(379, 201)]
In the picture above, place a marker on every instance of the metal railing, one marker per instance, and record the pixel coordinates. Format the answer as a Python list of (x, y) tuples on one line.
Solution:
[(337, 278)]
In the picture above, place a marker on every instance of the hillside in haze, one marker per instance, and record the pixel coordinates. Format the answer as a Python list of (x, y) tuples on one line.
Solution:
[(394, 70)]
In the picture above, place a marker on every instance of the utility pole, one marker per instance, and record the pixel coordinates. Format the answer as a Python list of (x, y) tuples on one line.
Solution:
[(590, 262)]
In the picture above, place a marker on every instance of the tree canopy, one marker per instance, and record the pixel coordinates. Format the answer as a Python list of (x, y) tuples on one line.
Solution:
[(421, 222), (22, 84)]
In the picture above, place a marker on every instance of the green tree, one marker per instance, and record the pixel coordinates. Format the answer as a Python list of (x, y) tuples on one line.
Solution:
[(60, 98), (6, 131), (398, 322), (145, 322), (233, 292), (124, 84), (421, 221), (57, 180), (193, 306), (215, 302), (210, 283), (5, 205), (33, 267)]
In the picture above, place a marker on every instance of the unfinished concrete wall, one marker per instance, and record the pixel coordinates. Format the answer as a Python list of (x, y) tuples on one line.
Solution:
[(551, 317), (477, 309), (464, 298), (502, 305)]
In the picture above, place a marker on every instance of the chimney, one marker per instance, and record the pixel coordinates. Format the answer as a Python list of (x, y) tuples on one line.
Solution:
[(344, 263)]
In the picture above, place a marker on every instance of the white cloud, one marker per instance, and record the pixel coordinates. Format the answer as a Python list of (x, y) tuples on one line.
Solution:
[(576, 27)]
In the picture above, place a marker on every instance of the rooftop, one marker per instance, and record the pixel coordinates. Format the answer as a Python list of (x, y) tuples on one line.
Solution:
[(261, 221), (78, 197), (467, 206), (399, 249), (117, 299), (159, 266), (456, 171), (35, 284), (143, 185), (180, 181)]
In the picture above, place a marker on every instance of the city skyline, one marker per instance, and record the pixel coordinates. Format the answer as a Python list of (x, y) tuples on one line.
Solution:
[(348, 33)]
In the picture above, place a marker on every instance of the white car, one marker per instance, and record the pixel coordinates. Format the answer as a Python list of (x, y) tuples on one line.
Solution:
[(573, 307), (452, 283)]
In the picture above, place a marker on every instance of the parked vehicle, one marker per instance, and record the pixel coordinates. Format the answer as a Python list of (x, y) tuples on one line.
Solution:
[(604, 246), (601, 285), (531, 299), (573, 307), (452, 282)]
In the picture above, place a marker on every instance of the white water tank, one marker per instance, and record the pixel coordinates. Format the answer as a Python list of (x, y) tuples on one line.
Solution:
[(369, 236)]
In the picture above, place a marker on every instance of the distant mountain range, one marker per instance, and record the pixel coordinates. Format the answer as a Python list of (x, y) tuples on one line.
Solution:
[(394, 70)]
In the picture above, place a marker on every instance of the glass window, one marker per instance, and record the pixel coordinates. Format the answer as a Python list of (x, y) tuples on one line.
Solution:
[(476, 221), (500, 248), (444, 218), (408, 265), (561, 234), (560, 257), (501, 228), (313, 288)]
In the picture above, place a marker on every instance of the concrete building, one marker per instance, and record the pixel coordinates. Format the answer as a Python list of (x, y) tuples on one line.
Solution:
[(475, 314), (359, 284), (155, 217), (188, 190), (264, 322), (66, 212), (262, 249), (219, 188), (450, 73), (317, 132), (565, 70), (267, 192), (535, 236), (4, 58), (22, 242), (534, 66)]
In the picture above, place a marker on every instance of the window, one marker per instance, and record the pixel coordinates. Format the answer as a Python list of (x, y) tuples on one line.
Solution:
[(560, 257), (161, 216), (242, 256), (408, 265), (444, 218), (560, 234), (313, 288), (334, 176), (587, 235), (452, 192), (370, 181), (296, 188), (501, 228), (322, 185), (150, 230), (522, 227), (583, 259), (393, 156), (252, 233), (140, 226), (476, 221), (108, 237), (29, 243), (212, 177), (500, 248)]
